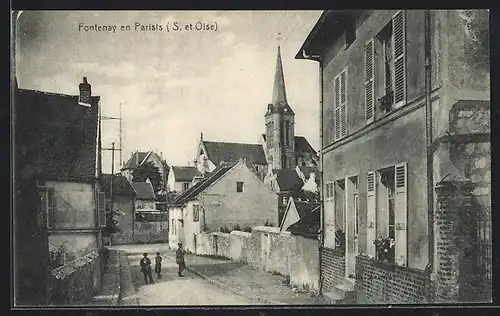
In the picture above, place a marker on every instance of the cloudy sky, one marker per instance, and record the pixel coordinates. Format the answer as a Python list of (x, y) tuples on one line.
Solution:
[(174, 85)]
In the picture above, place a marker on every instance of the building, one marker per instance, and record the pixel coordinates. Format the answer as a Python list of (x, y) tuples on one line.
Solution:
[(145, 198), (58, 160), (230, 195), (180, 178), (124, 203), (297, 210), (388, 165), (138, 158)]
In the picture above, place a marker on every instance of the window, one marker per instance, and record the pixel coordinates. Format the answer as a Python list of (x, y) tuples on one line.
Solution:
[(185, 186), (340, 91), (101, 209), (196, 213), (239, 187), (46, 207), (369, 84), (392, 41), (391, 193)]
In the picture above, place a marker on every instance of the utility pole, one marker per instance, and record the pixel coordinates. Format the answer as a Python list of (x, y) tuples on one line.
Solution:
[(119, 118)]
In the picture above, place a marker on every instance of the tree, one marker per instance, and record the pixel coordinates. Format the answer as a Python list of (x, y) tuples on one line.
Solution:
[(111, 223), (148, 171)]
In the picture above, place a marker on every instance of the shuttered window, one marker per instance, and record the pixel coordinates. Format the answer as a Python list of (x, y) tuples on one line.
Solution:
[(340, 91), (401, 213), (370, 213), (399, 52), (369, 84), (101, 209)]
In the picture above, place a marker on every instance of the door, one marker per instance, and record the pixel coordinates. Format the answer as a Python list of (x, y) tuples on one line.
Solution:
[(351, 212)]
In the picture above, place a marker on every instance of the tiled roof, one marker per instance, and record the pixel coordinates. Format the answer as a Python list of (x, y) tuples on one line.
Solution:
[(308, 226), (193, 191), (58, 135), (121, 186), (143, 190), (301, 144), (132, 162), (183, 173), (288, 179), (232, 152)]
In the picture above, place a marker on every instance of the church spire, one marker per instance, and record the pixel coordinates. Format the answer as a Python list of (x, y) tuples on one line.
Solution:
[(279, 92)]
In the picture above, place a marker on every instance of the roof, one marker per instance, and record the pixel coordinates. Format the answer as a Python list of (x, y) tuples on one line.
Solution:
[(305, 208), (219, 152), (121, 186), (183, 173), (308, 226), (132, 162), (58, 135), (193, 191), (326, 29), (301, 144), (288, 179), (279, 91), (143, 190)]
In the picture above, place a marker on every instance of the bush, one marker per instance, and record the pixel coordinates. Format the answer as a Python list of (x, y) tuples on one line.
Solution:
[(224, 229), (247, 229), (237, 227)]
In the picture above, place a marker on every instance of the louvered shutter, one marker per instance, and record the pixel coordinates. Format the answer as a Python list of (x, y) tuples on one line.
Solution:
[(343, 101), (401, 213), (42, 209), (329, 217), (337, 107), (101, 209), (399, 52), (51, 205), (370, 213), (369, 85)]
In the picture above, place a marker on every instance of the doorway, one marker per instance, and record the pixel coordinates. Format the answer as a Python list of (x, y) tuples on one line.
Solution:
[(351, 227)]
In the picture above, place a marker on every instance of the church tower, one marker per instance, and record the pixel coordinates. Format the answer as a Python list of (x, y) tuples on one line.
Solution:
[(280, 124)]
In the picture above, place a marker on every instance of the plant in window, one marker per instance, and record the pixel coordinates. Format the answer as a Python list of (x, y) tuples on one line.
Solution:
[(384, 247), (340, 240)]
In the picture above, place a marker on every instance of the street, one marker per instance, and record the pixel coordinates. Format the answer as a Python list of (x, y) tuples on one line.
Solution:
[(172, 290)]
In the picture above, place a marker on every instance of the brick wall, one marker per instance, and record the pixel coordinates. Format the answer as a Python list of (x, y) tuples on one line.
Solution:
[(332, 268), (376, 284)]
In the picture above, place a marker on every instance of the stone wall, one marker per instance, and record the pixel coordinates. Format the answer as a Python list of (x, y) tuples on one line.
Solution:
[(150, 232), (76, 282), (286, 254)]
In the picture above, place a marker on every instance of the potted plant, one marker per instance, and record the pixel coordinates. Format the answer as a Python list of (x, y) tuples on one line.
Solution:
[(385, 102), (384, 247)]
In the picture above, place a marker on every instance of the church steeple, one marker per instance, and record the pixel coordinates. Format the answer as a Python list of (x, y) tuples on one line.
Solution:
[(279, 91)]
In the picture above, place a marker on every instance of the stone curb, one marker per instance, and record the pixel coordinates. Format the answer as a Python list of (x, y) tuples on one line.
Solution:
[(233, 290)]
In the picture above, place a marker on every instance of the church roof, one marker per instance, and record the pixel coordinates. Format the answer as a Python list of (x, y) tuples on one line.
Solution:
[(219, 152), (279, 91), (301, 145)]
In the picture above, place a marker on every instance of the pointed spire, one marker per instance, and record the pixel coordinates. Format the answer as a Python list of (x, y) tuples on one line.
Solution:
[(279, 92)]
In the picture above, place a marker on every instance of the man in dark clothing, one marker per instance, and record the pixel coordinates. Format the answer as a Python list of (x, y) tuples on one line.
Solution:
[(179, 258), (146, 269), (158, 265)]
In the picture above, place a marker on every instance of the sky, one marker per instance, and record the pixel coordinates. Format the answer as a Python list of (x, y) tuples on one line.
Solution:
[(173, 85)]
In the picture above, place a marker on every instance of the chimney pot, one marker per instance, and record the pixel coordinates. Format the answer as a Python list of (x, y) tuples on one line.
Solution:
[(85, 91)]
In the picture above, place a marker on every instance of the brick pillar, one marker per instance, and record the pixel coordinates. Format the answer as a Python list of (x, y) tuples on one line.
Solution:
[(453, 204)]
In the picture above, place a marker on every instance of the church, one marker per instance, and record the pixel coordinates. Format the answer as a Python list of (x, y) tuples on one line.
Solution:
[(282, 160)]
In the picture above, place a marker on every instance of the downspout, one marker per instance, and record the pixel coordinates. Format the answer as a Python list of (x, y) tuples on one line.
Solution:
[(428, 124)]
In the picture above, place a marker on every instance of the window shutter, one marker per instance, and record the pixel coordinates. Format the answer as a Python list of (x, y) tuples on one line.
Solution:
[(401, 213), (42, 209), (370, 213), (50, 207), (329, 217), (101, 205), (337, 107), (369, 87), (343, 99), (399, 51)]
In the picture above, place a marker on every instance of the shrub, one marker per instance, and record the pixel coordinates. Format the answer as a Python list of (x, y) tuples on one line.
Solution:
[(224, 229), (247, 229), (237, 227)]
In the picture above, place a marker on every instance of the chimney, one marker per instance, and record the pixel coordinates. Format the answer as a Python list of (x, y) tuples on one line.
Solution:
[(85, 92)]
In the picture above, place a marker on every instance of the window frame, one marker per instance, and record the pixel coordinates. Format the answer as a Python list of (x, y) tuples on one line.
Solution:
[(239, 186)]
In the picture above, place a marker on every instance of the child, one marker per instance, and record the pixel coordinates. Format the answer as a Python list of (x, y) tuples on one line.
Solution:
[(158, 265)]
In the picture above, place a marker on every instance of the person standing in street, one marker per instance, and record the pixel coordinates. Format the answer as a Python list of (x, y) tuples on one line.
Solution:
[(158, 265), (179, 258), (146, 269)]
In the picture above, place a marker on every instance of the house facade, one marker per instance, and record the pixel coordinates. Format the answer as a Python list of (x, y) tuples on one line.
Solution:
[(61, 136), (394, 133), (180, 178), (230, 195), (124, 203), (144, 196)]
